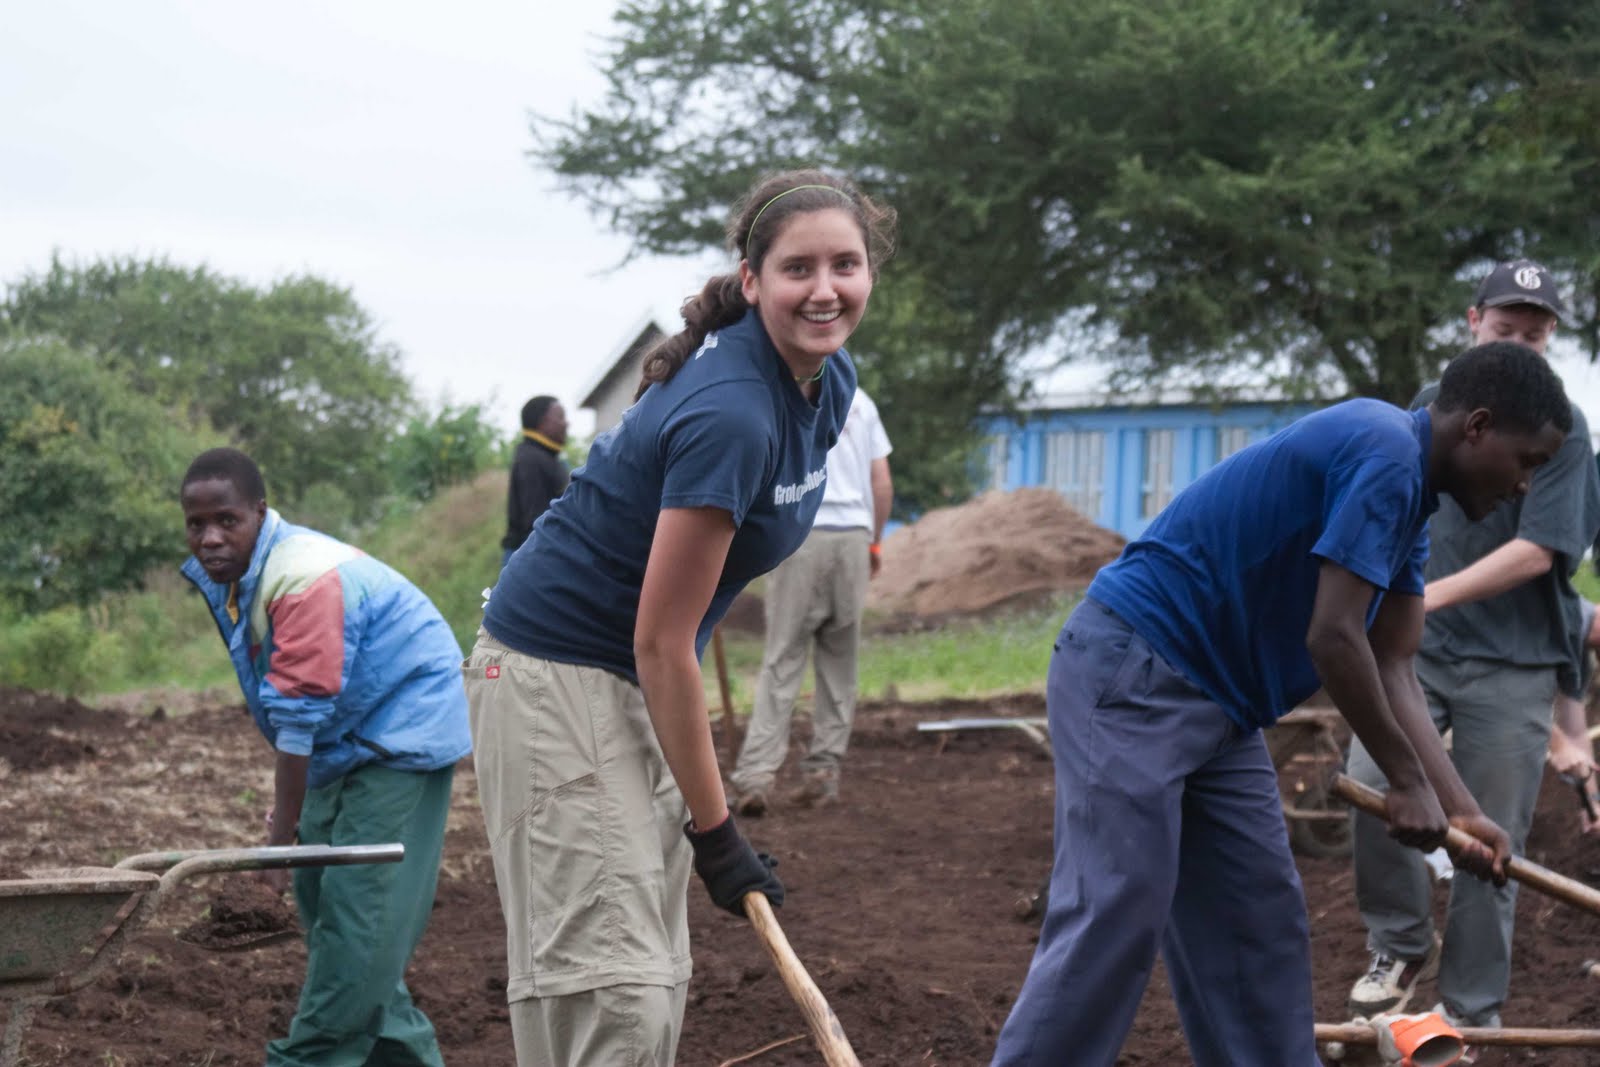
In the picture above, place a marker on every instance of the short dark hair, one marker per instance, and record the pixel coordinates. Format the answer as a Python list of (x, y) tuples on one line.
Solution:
[(533, 411), (228, 465), (1512, 381)]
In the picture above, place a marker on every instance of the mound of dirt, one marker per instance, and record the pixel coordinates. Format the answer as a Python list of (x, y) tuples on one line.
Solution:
[(243, 912), (39, 730), (991, 552)]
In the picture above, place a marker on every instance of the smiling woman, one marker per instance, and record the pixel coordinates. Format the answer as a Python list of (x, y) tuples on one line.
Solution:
[(591, 640)]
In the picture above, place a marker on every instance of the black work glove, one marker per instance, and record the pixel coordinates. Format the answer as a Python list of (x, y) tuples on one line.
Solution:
[(730, 868)]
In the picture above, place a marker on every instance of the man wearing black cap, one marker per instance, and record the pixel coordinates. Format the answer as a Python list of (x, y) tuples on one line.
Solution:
[(537, 474), (1502, 640)]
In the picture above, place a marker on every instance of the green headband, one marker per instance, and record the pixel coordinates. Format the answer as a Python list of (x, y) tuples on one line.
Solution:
[(794, 189)]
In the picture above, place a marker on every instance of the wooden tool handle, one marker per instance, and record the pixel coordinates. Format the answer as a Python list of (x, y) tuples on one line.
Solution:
[(1525, 871), (825, 1028)]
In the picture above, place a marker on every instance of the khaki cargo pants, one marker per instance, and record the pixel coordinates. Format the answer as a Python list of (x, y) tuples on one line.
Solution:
[(585, 826)]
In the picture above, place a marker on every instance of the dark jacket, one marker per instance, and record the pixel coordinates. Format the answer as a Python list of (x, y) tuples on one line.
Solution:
[(537, 477)]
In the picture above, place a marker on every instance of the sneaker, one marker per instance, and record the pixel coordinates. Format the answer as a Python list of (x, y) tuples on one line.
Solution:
[(1389, 983), (751, 803), (820, 789)]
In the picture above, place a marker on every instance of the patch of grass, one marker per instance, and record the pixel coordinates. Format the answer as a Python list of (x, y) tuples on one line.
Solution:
[(977, 659), (449, 547), (1009, 654)]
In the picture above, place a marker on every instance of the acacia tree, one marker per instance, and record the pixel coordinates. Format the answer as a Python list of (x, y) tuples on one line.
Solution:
[(1295, 187), (294, 373)]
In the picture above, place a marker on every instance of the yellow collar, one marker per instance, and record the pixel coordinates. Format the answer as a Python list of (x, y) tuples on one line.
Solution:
[(539, 438)]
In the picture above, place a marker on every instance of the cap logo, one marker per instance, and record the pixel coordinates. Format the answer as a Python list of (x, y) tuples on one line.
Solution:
[(1527, 277)]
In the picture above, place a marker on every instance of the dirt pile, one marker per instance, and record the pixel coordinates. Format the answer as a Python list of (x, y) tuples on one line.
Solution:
[(38, 730), (993, 551), (243, 913)]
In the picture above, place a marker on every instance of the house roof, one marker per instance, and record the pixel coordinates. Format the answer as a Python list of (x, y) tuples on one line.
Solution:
[(644, 333)]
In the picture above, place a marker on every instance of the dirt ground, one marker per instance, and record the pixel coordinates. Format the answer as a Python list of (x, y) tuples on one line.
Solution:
[(900, 903)]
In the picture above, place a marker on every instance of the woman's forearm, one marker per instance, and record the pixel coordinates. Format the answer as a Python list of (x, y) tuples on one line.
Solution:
[(674, 696)]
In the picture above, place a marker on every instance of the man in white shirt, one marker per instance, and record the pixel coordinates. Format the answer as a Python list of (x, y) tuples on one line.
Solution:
[(817, 597)]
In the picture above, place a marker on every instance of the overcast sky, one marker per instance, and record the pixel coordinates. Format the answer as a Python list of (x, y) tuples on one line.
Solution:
[(377, 144)]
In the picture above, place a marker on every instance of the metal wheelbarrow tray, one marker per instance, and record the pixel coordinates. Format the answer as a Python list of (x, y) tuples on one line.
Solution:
[(61, 928)]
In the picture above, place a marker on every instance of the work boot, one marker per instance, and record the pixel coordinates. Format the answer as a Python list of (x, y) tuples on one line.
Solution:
[(819, 789), (1390, 983)]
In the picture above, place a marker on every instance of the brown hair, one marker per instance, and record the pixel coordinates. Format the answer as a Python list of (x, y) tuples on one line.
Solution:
[(755, 224)]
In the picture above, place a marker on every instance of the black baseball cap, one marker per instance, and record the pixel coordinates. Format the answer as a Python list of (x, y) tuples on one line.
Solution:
[(1520, 281)]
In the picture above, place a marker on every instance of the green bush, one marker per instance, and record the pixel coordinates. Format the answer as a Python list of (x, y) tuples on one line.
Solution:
[(448, 449), (50, 651)]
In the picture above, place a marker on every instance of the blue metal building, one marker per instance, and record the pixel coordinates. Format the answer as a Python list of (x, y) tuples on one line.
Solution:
[(1119, 464)]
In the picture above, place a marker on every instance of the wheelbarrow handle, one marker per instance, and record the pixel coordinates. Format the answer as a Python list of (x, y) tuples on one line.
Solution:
[(211, 861), (824, 1025), (1573, 892)]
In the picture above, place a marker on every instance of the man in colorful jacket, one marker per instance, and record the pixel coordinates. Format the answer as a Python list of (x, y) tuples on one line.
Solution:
[(354, 678)]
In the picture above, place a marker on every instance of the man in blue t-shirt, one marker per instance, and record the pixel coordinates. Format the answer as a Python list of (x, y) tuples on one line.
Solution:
[(1293, 563), (1503, 639)]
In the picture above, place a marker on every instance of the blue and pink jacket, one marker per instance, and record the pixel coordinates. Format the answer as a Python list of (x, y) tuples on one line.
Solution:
[(339, 656)]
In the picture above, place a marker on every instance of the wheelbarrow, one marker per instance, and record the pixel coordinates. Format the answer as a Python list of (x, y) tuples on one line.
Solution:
[(61, 928), (1307, 746)]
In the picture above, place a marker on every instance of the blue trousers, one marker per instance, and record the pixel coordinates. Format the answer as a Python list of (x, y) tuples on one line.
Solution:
[(1169, 836)]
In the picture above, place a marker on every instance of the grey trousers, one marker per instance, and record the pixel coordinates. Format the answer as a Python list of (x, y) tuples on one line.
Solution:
[(1500, 722), (815, 596)]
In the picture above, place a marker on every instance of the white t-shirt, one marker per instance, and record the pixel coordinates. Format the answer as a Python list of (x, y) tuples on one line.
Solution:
[(847, 494)]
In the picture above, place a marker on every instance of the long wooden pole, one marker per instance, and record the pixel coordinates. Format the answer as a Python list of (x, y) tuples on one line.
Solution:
[(729, 738), (824, 1025), (1523, 870)]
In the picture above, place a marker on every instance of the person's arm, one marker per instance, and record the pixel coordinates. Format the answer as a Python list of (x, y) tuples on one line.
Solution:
[(1515, 562), (1571, 750), (288, 797), (1395, 637), (305, 673), (686, 559), (283, 821), (882, 502), (1400, 736), (1571, 753)]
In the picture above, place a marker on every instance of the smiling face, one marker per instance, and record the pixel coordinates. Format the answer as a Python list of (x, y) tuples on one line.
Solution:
[(1492, 466), (221, 527), (812, 287)]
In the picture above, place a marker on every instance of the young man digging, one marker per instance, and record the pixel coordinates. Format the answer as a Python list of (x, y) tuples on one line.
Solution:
[(1503, 638), (354, 679), (1292, 564)]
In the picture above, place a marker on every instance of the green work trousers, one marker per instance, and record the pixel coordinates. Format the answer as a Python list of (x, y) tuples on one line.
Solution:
[(363, 921)]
